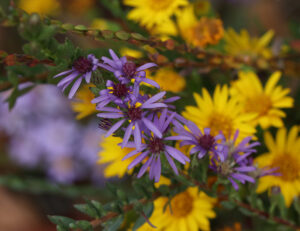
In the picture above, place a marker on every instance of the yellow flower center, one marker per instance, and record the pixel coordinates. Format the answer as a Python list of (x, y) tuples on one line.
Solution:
[(197, 34), (289, 167), (218, 122), (260, 104), (160, 4), (182, 204)]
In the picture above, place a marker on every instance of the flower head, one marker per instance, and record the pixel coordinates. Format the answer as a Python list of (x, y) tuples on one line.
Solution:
[(118, 93), (220, 113), (188, 210), (126, 71), (152, 12), (264, 102), (136, 114), (203, 143), (154, 146), (233, 160), (82, 68), (283, 154), (242, 45)]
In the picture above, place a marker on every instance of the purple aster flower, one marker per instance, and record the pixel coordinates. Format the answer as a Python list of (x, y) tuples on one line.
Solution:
[(117, 93), (203, 142), (126, 71), (154, 147), (233, 161), (136, 115), (82, 68)]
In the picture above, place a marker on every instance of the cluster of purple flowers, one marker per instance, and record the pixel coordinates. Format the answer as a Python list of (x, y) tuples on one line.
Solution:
[(147, 121), (43, 134)]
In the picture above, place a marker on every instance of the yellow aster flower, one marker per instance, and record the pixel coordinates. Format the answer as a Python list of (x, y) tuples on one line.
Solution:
[(265, 102), (191, 210), (169, 80), (199, 32), (112, 155), (45, 7), (151, 12), (284, 155), (82, 102), (220, 113), (241, 44)]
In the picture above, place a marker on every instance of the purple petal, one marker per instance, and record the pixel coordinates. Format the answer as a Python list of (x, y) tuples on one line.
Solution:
[(172, 164), (74, 88), (144, 167), (234, 184), (206, 131), (177, 138), (130, 154), (110, 115), (106, 67), (68, 78), (157, 169), (114, 127), (174, 153), (137, 136), (243, 177), (152, 127), (137, 160), (151, 82), (154, 105), (245, 169), (113, 55), (63, 73), (171, 99), (88, 77), (127, 135), (154, 98), (146, 66)]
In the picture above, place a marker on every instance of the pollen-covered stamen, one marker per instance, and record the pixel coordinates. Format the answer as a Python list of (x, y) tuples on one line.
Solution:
[(156, 145), (129, 70), (105, 124), (134, 113), (225, 168), (83, 65), (206, 142), (120, 90)]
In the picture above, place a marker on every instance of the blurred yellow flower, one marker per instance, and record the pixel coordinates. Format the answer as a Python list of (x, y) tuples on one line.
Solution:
[(82, 102), (191, 210), (265, 102), (169, 80), (45, 7), (220, 113), (112, 155), (151, 12), (284, 155), (125, 51), (199, 32), (241, 44)]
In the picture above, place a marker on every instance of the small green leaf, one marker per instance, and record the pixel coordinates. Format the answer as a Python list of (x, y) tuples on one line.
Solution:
[(122, 35), (115, 224), (62, 221), (107, 34), (137, 36), (141, 220), (67, 26), (228, 204), (80, 28), (83, 225)]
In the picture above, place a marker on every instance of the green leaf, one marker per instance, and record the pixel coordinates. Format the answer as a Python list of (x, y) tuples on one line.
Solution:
[(61, 221), (87, 209), (83, 225), (122, 35), (107, 34), (137, 36), (114, 225), (148, 210), (228, 204), (80, 28)]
